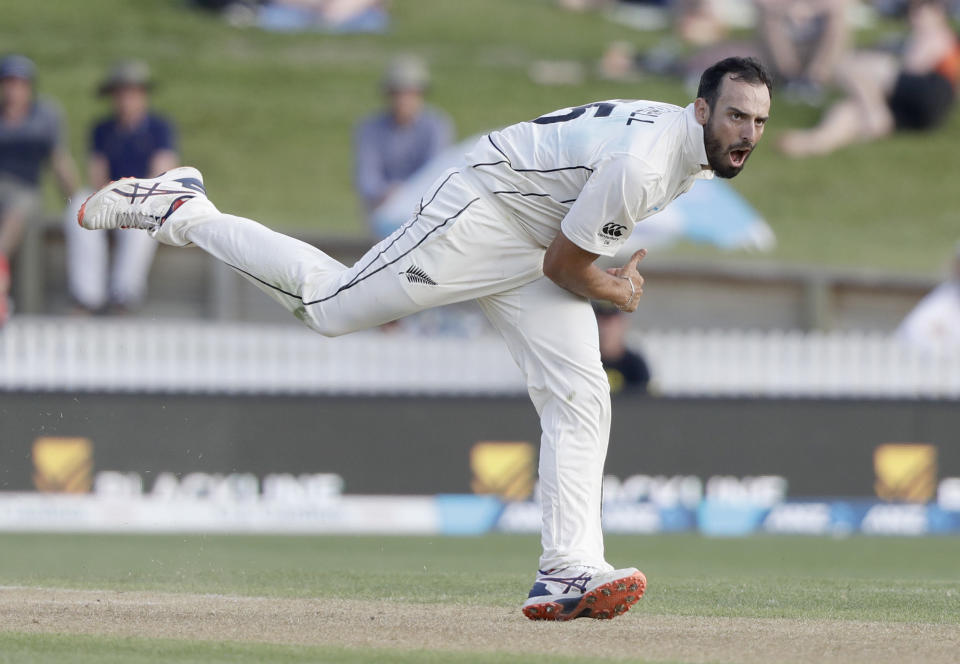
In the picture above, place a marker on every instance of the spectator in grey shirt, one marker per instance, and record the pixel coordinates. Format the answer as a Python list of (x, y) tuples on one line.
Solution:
[(30, 135), (393, 144)]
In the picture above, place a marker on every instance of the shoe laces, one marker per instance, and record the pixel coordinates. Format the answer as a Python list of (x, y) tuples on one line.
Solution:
[(134, 218)]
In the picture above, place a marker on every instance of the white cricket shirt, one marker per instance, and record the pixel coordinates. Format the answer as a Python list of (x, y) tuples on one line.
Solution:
[(593, 171)]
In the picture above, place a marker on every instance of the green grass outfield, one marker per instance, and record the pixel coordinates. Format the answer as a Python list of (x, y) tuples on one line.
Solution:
[(21, 648), (268, 117), (896, 580)]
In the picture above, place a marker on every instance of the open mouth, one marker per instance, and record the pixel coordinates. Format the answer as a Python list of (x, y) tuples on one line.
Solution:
[(737, 157)]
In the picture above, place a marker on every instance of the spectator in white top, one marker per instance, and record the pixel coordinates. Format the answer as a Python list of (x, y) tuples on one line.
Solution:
[(934, 324)]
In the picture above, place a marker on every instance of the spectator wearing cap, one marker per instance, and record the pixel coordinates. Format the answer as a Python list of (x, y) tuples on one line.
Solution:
[(392, 145), (31, 133), (133, 141)]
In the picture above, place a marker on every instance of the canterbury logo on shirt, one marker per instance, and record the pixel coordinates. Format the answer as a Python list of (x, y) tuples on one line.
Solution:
[(612, 230)]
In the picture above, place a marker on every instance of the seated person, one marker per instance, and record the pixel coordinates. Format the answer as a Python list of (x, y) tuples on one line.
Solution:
[(934, 324), (344, 16), (392, 145), (30, 134), (626, 369), (698, 23), (132, 142), (885, 94), (803, 42)]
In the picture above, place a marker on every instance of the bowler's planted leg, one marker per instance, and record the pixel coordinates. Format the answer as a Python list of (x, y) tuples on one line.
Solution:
[(457, 247), (552, 335)]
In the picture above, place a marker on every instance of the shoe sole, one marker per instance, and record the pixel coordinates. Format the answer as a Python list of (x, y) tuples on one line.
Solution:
[(604, 602), (83, 209)]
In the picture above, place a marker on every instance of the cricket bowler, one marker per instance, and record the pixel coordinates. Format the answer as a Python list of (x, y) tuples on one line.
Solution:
[(517, 227)]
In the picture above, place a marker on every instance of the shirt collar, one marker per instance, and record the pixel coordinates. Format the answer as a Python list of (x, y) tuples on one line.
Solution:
[(694, 150)]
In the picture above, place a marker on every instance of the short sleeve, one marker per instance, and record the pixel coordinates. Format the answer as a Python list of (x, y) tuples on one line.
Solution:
[(98, 138), (368, 163), (611, 203), (55, 129), (164, 135), (442, 132)]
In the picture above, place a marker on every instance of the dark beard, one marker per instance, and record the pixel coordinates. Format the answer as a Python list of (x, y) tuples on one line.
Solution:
[(716, 154)]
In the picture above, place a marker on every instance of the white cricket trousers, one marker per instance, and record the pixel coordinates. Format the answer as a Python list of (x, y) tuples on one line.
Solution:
[(459, 246)]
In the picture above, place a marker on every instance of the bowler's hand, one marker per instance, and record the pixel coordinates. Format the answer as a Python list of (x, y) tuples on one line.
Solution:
[(629, 273), (571, 267)]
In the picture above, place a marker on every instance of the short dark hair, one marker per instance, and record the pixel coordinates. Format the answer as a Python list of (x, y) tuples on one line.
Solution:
[(748, 70)]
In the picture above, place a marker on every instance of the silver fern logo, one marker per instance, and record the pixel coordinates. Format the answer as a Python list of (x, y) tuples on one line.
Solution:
[(417, 275)]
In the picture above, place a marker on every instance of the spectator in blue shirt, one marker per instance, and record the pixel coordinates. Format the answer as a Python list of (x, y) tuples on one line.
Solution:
[(31, 134), (132, 142), (393, 144)]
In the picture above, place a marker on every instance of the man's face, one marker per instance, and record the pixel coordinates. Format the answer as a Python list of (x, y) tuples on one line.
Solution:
[(405, 105), (130, 101), (16, 91), (733, 127)]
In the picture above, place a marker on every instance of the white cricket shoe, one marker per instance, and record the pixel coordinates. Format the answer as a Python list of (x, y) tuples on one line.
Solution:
[(141, 202), (584, 592)]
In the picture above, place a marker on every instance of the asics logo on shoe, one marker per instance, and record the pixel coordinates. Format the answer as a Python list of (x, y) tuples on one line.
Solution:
[(141, 203), (193, 184), (138, 191), (578, 583)]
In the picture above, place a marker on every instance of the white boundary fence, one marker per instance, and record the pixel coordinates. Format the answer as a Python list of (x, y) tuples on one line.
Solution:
[(799, 364), (177, 356), (41, 353)]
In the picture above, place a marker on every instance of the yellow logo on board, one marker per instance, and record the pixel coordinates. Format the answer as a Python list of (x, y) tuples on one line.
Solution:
[(905, 471), (63, 465), (503, 468)]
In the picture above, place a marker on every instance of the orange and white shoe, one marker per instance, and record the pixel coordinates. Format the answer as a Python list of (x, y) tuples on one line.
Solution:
[(141, 202), (584, 592)]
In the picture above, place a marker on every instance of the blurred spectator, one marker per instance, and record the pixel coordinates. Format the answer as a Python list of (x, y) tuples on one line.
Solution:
[(626, 370), (583, 5), (698, 22), (392, 145), (934, 324), (132, 142), (31, 133), (898, 8), (340, 16), (884, 93), (803, 41)]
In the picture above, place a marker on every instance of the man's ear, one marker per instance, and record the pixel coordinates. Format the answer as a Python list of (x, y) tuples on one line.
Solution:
[(701, 109)]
